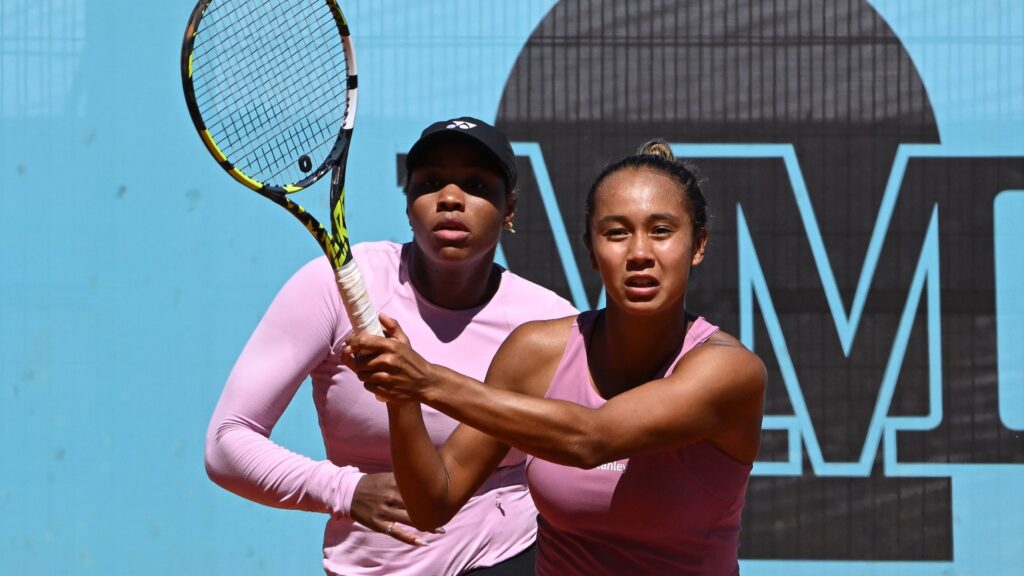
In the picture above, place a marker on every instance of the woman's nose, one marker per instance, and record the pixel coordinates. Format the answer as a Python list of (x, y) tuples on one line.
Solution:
[(451, 199)]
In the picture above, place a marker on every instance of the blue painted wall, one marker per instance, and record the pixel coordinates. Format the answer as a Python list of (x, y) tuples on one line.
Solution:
[(132, 269)]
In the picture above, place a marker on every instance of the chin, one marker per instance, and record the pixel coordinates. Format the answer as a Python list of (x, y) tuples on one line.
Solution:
[(647, 307), (452, 254), (639, 307)]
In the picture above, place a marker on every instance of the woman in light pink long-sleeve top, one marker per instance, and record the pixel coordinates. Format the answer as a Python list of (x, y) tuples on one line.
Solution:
[(458, 307), (641, 420)]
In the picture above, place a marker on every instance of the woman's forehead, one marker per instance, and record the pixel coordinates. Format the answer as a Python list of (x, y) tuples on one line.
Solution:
[(632, 190)]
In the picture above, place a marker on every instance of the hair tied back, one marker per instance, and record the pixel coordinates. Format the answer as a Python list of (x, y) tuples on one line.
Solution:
[(657, 147)]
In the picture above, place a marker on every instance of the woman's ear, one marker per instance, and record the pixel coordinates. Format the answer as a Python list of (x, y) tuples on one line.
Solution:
[(511, 200), (700, 243)]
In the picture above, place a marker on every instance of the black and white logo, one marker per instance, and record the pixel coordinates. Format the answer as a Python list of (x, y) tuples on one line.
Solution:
[(462, 124)]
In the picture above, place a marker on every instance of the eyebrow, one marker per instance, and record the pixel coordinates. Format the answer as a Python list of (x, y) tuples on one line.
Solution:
[(650, 218)]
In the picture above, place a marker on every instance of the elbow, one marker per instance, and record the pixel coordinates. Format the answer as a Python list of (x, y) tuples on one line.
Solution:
[(428, 510), (217, 458), (429, 520), (586, 450), (213, 460), (588, 455)]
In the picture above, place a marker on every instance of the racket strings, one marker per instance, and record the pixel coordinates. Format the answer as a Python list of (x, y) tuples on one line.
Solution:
[(285, 100), (259, 59), (224, 54), (255, 148), (323, 137), (269, 118), (270, 82), (230, 35), (285, 125)]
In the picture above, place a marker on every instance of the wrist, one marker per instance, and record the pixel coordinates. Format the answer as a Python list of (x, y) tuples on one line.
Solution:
[(347, 479), (433, 383)]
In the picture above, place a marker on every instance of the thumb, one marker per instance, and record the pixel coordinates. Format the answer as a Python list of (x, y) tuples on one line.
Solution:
[(392, 329)]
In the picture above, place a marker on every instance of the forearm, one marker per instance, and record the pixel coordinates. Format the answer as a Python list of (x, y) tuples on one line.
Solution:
[(247, 463), (419, 470), (557, 431)]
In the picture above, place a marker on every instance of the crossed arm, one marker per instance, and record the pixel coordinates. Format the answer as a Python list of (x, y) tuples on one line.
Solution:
[(715, 393)]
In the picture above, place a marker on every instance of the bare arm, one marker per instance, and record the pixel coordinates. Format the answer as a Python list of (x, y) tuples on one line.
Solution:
[(434, 484), (716, 391)]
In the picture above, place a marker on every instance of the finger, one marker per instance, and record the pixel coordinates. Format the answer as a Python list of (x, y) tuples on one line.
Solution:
[(382, 392), (379, 361), (393, 329), (388, 323), (395, 531), (348, 360), (381, 381), (361, 365), (365, 343), (402, 517), (385, 363)]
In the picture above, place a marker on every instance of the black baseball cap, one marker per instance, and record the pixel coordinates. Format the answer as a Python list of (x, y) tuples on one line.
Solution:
[(478, 131)]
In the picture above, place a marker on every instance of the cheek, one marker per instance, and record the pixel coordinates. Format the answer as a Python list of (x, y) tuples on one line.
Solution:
[(677, 256), (485, 212), (608, 256), (417, 210)]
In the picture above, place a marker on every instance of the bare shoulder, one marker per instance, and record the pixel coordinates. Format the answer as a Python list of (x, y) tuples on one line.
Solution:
[(736, 364), (541, 335), (529, 356)]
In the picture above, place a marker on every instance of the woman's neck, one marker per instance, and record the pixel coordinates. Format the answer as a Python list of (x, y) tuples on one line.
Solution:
[(628, 350), (456, 285)]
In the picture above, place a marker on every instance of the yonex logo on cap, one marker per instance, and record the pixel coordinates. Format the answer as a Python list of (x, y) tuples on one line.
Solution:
[(461, 124)]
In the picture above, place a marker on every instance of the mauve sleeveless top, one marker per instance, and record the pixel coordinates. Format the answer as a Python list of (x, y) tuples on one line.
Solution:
[(671, 512)]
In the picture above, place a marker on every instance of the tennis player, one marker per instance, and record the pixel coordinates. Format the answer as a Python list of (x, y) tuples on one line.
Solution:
[(642, 421), (458, 306)]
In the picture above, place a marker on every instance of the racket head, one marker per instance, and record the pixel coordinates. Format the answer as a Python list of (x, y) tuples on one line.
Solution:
[(271, 86)]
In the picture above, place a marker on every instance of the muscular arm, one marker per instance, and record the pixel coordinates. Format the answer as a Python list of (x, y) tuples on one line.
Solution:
[(715, 390)]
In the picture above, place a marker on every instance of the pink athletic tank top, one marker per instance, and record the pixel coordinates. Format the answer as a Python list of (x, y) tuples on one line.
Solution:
[(672, 512)]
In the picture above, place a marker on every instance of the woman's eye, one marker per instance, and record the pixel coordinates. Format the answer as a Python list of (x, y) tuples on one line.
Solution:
[(476, 186), (615, 233), (662, 231)]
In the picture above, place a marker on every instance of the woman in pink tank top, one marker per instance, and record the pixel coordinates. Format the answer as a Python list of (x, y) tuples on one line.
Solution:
[(641, 420)]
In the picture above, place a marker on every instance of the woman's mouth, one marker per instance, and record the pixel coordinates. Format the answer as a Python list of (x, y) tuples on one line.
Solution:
[(641, 286), (451, 231)]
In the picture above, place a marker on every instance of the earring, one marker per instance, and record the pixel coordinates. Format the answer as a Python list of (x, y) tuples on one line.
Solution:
[(508, 226)]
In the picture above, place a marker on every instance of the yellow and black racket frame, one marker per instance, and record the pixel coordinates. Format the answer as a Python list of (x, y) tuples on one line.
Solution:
[(335, 243)]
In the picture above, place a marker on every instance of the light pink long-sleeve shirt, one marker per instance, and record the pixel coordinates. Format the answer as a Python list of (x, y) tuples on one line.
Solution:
[(300, 336)]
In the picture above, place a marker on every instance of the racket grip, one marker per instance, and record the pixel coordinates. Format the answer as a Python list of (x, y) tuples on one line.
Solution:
[(357, 301), (361, 311)]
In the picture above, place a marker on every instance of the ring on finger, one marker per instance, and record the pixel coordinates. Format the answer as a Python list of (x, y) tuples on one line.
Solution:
[(391, 526)]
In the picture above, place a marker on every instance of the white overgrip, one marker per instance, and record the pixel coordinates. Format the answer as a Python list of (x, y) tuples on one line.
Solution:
[(357, 302)]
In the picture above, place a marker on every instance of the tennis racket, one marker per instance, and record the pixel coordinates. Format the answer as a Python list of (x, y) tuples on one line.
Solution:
[(271, 88)]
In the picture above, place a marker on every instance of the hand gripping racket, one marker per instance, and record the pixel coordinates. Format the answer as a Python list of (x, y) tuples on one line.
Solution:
[(271, 88)]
